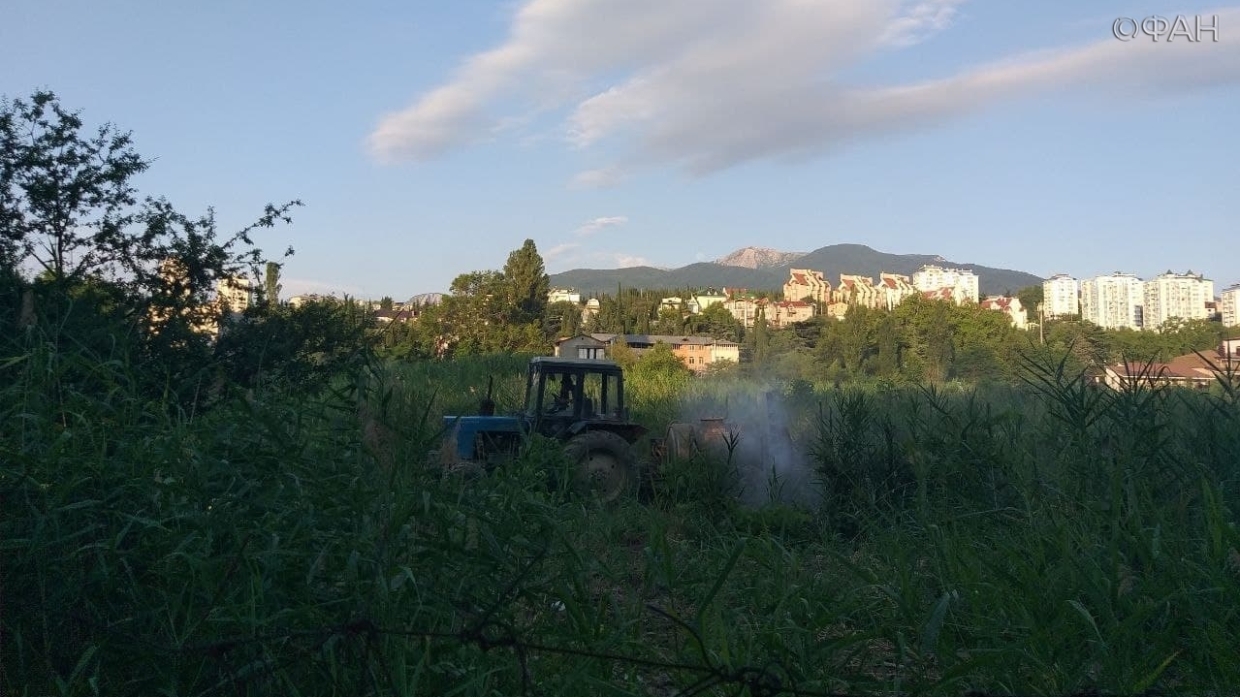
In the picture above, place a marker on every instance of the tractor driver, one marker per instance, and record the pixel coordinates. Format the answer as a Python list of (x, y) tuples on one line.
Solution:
[(563, 400)]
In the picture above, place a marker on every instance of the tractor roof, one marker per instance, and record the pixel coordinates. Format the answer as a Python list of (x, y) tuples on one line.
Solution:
[(589, 365)]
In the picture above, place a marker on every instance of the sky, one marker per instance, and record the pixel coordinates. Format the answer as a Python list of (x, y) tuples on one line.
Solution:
[(429, 139)]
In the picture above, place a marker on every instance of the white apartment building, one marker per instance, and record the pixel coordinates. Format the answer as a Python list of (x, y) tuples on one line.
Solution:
[(1061, 296), (563, 295), (1173, 295), (1113, 302), (234, 293), (1230, 306), (962, 282)]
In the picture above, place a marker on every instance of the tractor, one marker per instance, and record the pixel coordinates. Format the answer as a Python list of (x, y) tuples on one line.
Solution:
[(577, 401)]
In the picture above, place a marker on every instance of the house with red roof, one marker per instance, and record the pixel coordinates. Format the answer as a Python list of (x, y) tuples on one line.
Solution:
[(1008, 306), (1195, 370)]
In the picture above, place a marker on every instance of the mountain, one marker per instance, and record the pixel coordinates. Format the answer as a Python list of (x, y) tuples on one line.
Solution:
[(832, 260), (426, 299), (759, 258)]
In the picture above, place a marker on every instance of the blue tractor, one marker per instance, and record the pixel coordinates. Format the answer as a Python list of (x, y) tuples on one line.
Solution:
[(577, 401)]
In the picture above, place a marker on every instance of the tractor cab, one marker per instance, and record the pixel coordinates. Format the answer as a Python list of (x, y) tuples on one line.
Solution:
[(562, 395), (566, 396)]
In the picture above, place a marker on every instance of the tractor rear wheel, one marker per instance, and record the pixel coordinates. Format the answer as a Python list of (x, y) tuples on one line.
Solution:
[(603, 465)]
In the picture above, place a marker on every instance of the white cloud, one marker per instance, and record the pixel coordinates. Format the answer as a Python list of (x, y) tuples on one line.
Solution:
[(557, 252), (625, 261), (704, 85), (921, 21), (597, 178), (597, 224)]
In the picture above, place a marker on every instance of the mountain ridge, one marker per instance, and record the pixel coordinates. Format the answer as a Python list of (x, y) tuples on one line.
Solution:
[(758, 258), (832, 260)]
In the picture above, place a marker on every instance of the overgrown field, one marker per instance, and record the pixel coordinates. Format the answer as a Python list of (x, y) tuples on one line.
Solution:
[(1048, 539)]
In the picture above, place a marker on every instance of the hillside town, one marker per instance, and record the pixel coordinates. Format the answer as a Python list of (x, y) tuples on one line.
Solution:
[(1114, 301)]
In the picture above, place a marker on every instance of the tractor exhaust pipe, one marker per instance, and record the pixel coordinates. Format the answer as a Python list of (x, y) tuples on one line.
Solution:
[(487, 407)]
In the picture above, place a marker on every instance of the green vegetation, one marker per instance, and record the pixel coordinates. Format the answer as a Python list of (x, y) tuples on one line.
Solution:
[(260, 516)]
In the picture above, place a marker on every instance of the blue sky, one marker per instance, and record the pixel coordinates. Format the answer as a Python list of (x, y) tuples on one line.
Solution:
[(428, 139)]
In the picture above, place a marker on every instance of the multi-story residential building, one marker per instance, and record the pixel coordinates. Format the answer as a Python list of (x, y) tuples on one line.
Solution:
[(1176, 296), (789, 312), (234, 294), (806, 284), (1061, 296), (745, 310), (698, 303), (895, 288), (859, 291), (778, 315), (1229, 306), (1113, 302), (564, 295), (1008, 306), (962, 282)]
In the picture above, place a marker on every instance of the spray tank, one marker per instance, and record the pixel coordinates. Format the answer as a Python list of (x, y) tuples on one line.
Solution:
[(757, 445)]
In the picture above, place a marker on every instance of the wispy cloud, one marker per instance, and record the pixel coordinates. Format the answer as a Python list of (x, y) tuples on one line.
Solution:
[(559, 251), (601, 178), (597, 224), (704, 85), (626, 261), (921, 21)]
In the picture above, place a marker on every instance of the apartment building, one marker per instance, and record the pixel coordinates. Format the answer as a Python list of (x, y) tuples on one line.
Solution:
[(962, 282), (1171, 296), (896, 288), (859, 291), (1229, 306), (1008, 306), (563, 295), (1061, 296), (701, 301), (234, 294), (1114, 301), (806, 284), (778, 315)]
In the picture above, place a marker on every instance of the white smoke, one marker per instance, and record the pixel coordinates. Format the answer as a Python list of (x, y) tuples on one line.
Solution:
[(766, 446)]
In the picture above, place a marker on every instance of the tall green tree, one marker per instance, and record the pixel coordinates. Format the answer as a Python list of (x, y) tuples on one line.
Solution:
[(67, 199), (563, 319), (1030, 297), (761, 336), (271, 283), (526, 284)]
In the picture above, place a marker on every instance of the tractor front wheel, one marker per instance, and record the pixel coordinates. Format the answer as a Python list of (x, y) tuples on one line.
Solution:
[(603, 465)]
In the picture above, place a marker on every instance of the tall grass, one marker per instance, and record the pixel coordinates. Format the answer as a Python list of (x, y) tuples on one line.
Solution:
[(1046, 539)]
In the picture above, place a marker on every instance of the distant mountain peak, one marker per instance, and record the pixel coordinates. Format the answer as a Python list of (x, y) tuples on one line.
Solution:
[(759, 258)]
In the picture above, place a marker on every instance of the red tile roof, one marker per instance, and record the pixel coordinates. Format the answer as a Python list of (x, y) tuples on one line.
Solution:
[(1188, 366)]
